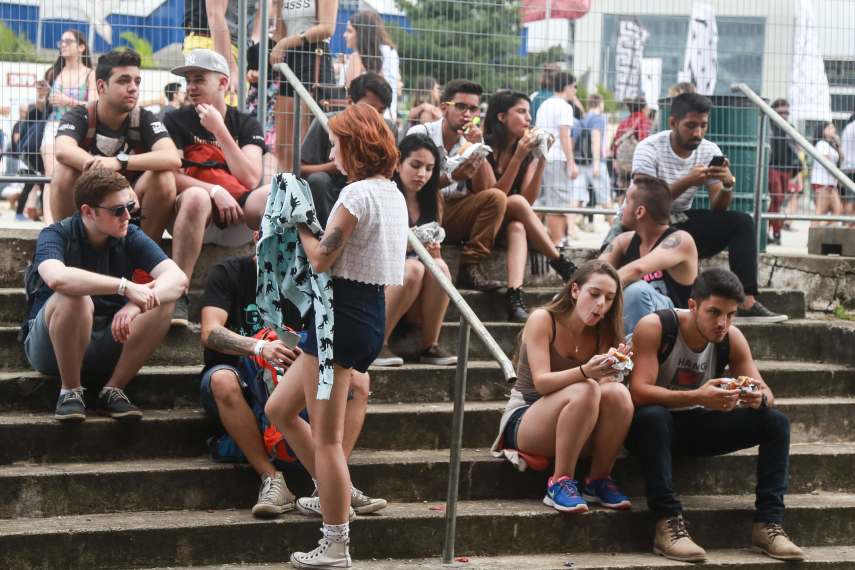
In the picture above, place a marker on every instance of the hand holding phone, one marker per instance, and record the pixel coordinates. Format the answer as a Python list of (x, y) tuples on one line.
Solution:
[(717, 161)]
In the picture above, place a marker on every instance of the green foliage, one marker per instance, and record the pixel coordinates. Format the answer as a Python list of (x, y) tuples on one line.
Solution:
[(142, 47), (840, 312), (15, 47), (465, 39)]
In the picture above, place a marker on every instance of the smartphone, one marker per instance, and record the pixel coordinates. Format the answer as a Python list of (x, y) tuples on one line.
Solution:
[(717, 160)]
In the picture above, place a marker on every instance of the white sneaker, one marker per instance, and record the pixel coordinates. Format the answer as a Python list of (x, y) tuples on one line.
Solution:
[(274, 498), (364, 505), (312, 506), (328, 554)]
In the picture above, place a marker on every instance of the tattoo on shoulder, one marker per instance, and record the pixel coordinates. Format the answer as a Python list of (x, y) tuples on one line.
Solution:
[(221, 339), (672, 241), (610, 248), (332, 241)]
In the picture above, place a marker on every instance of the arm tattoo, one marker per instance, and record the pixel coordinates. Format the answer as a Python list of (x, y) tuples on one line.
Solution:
[(611, 247), (672, 242), (221, 340), (332, 241)]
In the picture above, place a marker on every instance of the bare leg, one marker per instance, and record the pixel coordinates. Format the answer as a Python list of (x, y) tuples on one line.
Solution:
[(612, 426), (69, 321), (156, 192), (557, 227), (147, 332), (434, 303), (354, 414), (253, 208), (514, 238), (239, 421), (194, 214), (50, 213), (559, 424), (61, 193), (284, 407), (519, 209), (285, 131), (399, 298)]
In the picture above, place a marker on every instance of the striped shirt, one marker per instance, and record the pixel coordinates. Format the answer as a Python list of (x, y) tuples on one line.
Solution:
[(655, 157)]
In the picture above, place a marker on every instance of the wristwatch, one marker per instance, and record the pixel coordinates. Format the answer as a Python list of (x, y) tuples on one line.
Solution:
[(123, 160), (729, 188), (303, 39), (764, 403)]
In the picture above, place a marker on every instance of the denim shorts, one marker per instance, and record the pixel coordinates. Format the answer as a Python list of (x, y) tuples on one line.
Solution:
[(101, 355), (512, 427), (360, 323), (206, 397)]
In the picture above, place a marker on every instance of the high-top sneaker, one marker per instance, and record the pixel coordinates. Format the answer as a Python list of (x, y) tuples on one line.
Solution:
[(274, 498), (328, 555), (517, 312), (672, 541), (363, 504), (771, 540)]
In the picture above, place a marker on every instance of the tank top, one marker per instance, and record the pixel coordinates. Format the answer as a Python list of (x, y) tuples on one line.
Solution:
[(196, 18), (685, 369), (77, 93), (661, 281), (299, 15), (557, 363)]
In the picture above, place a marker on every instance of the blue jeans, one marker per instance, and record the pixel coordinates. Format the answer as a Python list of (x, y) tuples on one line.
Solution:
[(640, 300)]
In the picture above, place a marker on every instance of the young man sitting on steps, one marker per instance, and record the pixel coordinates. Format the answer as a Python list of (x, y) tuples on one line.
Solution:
[(681, 409), (230, 318), (89, 317), (658, 263)]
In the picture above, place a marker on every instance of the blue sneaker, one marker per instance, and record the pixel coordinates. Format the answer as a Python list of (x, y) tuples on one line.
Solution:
[(563, 496), (605, 492), (22, 218)]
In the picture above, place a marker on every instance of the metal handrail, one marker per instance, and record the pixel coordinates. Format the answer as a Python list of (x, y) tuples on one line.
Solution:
[(468, 320)]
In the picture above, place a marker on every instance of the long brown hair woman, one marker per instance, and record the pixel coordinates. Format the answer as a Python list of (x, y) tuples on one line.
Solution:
[(565, 403)]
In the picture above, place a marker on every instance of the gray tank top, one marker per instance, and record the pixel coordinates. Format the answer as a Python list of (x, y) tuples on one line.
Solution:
[(685, 369)]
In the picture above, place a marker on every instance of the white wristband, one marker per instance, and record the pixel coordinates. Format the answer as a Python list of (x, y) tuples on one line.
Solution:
[(450, 179), (122, 284), (259, 346), (216, 189), (726, 189)]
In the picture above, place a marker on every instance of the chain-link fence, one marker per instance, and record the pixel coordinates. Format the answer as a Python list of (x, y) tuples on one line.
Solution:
[(632, 54)]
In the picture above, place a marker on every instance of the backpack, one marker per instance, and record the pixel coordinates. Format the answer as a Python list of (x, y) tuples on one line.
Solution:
[(207, 163), (625, 150), (670, 330), (134, 140), (582, 147)]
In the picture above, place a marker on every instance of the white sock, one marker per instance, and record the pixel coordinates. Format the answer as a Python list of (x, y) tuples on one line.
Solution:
[(336, 532), (106, 389), (64, 391), (316, 484)]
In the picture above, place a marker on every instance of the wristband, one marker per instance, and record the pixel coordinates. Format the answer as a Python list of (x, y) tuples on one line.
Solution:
[(259, 346), (450, 179), (582, 370), (216, 189), (122, 284)]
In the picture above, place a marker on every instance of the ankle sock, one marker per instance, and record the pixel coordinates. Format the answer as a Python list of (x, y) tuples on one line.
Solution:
[(105, 389), (337, 532), (64, 391), (315, 483)]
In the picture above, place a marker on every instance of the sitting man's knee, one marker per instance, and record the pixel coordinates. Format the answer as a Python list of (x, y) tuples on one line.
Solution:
[(777, 421), (195, 200), (653, 417), (225, 385), (494, 198), (635, 291), (82, 304)]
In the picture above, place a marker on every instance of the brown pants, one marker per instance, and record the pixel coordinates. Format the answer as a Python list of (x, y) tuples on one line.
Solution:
[(476, 218)]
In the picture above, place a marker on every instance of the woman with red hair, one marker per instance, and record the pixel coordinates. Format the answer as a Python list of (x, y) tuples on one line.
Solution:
[(364, 248)]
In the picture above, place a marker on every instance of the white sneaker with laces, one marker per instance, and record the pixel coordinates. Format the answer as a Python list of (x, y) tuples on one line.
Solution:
[(312, 506), (364, 505), (328, 555), (274, 498)]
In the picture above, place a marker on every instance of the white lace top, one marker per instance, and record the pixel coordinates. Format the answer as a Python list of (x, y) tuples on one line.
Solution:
[(377, 247)]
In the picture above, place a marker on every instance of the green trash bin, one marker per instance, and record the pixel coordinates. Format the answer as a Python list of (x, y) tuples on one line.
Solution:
[(734, 120)]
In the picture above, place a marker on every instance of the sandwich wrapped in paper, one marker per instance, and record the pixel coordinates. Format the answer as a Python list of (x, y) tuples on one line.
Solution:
[(467, 151), (744, 384), (544, 140), (620, 363), (430, 233)]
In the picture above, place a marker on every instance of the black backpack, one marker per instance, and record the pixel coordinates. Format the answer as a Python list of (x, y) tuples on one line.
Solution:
[(670, 330), (582, 147)]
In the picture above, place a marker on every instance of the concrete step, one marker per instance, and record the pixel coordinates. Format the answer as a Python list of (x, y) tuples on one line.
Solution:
[(178, 386), (402, 530), (32, 490), (799, 340), (488, 306), (39, 438), (819, 557)]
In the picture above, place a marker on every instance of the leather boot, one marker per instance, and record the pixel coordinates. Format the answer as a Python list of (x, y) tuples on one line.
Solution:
[(672, 541), (563, 267), (517, 312), (473, 276), (771, 540)]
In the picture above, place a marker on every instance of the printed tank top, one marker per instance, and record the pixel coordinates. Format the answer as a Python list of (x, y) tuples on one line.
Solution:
[(686, 369), (77, 93), (661, 281), (299, 15)]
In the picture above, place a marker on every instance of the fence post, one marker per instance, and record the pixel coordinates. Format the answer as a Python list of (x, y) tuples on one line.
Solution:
[(298, 130), (456, 443), (758, 184), (241, 62), (263, 56)]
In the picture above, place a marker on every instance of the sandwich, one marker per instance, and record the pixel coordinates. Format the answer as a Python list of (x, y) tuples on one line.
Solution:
[(464, 146)]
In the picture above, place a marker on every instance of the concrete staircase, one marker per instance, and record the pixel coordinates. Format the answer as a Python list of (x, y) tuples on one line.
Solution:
[(106, 495)]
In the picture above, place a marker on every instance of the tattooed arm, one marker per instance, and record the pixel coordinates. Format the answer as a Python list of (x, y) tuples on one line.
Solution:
[(217, 337), (322, 253), (614, 252), (677, 254)]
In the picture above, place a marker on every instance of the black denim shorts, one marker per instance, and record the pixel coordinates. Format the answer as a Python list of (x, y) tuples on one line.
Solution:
[(302, 60), (360, 323)]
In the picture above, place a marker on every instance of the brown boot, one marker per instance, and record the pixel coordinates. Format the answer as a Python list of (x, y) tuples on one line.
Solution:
[(672, 541), (473, 276), (771, 540)]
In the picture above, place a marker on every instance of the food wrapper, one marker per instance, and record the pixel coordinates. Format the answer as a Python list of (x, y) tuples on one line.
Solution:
[(430, 233), (544, 139), (478, 149), (622, 368), (744, 384)]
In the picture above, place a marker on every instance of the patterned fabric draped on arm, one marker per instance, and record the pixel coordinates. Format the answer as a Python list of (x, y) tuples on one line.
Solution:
[(284, 269)]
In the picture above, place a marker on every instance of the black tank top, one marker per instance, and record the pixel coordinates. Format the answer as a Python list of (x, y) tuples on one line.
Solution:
[(660, 280)]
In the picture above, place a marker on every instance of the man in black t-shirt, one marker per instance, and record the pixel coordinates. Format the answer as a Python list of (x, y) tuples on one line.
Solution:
[(125, 139), (219, 198), (229, 320)]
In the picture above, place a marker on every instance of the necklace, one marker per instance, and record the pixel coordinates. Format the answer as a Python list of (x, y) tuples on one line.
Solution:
[(573, 338)]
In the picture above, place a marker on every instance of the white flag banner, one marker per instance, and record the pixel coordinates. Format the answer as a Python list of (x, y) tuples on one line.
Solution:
[(651, 80), (86, 11), (700, 64), (631, 41), (809, 96)]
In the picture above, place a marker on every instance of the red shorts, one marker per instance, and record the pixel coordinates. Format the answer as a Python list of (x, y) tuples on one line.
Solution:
[(818, 187)]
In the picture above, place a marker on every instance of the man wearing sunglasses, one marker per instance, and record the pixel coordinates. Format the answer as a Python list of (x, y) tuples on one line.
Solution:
[(117, 135), (474, 216), (88, 316)]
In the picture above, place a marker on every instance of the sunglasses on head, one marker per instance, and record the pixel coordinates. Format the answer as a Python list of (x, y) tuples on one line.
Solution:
[(463, 107), (118, 211)]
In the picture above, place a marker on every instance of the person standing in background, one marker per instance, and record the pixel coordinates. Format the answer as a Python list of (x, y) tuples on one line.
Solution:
[(848, 167), (424, 108), (784, 167), (824, 185)]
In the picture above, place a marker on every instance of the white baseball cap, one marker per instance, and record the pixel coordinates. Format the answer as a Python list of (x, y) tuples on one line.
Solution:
[(203, 60)]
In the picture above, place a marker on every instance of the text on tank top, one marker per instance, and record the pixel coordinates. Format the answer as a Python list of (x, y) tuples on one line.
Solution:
[(686, 369), (660, 280), (299, 15)]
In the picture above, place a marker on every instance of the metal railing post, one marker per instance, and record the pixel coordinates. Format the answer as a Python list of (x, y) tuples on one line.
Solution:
[(456, 443), (241, 62), (263, 56), (298, 139), (758, 185)]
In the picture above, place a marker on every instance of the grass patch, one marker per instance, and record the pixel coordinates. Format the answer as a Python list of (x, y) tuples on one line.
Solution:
[(840, 312)]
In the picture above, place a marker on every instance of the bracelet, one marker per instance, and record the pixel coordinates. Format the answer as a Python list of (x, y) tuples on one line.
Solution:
[(259, 346), (216, 189), (582, 370), (450, 179), (122, 284)]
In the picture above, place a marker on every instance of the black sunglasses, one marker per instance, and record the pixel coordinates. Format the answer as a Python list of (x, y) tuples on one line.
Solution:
[(118, 210), (463, 107)]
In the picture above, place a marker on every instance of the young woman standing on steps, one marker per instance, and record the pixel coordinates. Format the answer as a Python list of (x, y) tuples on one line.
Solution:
[(364, 247), (567, 407)]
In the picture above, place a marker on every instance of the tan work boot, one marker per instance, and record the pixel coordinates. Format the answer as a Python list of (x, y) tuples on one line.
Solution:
[(771, 540), (672, 541)]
